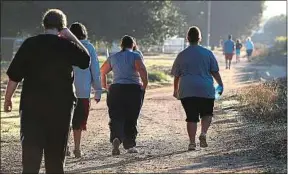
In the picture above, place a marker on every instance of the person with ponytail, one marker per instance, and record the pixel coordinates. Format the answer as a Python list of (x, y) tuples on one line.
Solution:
[(125, 95), (136, 49)]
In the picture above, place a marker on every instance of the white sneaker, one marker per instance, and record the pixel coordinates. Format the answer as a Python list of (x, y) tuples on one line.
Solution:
[(132, 150)]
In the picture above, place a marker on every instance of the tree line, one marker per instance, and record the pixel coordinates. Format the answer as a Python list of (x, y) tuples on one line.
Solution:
[(149, 21)]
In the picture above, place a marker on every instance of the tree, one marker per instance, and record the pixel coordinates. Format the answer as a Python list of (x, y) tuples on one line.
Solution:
[(272, 28), (152, 21), (238, 18), (276, 26)]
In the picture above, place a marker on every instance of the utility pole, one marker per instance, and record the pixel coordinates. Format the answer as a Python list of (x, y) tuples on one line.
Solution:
[(208, 23)]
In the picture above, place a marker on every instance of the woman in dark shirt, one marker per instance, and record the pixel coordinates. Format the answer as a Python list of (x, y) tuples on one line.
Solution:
[(238, 50)]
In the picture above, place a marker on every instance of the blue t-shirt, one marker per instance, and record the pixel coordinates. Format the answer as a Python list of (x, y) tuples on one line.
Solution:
[(123, 67), (194, 66), (229, 46)]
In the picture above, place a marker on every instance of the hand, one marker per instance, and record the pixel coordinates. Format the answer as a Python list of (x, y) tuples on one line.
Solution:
[(222, 89), (7, 106), (106, 87), (143, 87)]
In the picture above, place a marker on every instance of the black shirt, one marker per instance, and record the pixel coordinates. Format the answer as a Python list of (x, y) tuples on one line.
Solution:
[(45, 63), (238, 45)]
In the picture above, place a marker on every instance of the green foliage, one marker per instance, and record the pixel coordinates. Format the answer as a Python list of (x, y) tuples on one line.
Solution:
[(105, 20), (281, 44), (277, 54), (157, 76), (266, 102), (227, 17), (273, 28)]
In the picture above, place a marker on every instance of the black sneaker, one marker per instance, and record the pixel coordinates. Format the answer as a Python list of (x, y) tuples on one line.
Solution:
[(203, 142), (68, 153), (192, 147), (77, 153), (116, 144)]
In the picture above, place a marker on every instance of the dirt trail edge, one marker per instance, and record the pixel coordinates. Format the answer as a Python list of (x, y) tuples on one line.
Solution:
[(163, 140)]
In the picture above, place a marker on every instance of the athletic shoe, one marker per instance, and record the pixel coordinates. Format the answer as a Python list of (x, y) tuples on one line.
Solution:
[(203, 142), (192, 146), (132, 150), (116, 144), (77, 153)]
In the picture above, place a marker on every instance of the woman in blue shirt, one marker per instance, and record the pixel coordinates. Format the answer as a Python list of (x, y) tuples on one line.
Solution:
[(194, 70), (125, 95), (136, 49)]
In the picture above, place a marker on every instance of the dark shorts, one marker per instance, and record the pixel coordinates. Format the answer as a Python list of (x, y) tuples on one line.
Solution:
[(195, 106), (228, 56), (81, 114), (249, 52)]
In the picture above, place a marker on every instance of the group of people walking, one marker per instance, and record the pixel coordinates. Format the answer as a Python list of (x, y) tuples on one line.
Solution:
[(230, 47), (51, 64)]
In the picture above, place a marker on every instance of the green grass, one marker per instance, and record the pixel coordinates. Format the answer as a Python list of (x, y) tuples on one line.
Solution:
[(157, 76), (158, 68)]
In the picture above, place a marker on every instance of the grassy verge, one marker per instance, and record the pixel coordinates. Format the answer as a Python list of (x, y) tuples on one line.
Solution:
[(277, 54), (267, 104), (158, 68)]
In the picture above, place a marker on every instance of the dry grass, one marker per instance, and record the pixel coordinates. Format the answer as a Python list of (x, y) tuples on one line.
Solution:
[(267, 101), (267, 104)]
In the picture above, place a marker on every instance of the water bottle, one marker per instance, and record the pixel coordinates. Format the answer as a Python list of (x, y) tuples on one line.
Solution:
[(218, 90)]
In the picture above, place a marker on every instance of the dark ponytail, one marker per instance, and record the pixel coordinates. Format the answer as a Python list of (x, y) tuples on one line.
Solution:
[(126, 42)]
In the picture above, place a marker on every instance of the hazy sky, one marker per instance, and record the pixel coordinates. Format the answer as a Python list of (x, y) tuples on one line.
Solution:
[(275, 8)]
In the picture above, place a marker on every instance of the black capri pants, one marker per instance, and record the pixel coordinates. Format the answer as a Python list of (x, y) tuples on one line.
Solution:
[(197, 106), (124, 103)]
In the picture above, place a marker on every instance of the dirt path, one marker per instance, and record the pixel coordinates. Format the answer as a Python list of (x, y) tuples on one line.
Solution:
[(162, 139)]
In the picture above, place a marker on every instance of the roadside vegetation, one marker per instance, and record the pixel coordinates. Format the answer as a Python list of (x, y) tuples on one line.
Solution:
[(275, 54), (265, 106)]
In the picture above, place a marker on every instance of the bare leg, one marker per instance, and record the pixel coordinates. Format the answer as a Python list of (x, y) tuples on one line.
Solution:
[(192, 129), (230, 63), (77, 138), (205, 124), (226, 63)]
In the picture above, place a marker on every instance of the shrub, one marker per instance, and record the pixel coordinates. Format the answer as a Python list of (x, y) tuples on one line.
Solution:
[(266, 102), (157, 76), (280, 45)]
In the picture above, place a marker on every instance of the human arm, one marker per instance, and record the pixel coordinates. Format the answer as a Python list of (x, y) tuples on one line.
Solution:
[(11, 87), (214, 70), (176, 73), (176, 87), (16, 72), (105, 69), (66, 33), (141, 68), (95, 72), (78, 53)]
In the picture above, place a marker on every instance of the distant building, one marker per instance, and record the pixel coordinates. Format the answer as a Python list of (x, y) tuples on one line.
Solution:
[(173, 45)]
